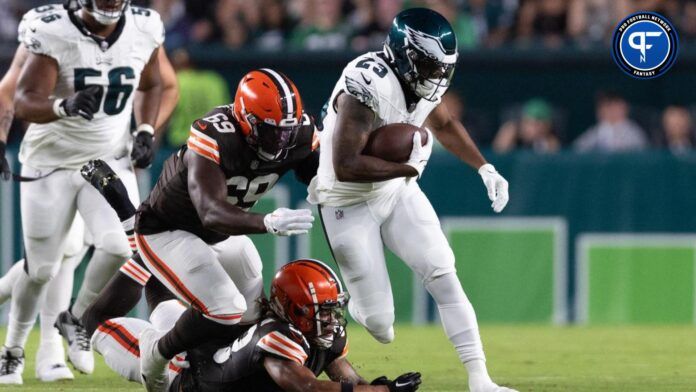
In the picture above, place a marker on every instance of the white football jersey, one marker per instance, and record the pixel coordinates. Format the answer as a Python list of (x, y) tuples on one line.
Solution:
[(369, 79), (113, 64)]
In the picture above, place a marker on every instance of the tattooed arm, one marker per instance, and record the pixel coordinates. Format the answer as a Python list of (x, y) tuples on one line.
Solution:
[(8, 84)]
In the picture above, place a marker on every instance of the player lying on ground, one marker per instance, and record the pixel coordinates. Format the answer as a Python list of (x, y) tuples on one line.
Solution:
[(50, 358), (50, 363), (301, 334), (366, 202), (190, 230)]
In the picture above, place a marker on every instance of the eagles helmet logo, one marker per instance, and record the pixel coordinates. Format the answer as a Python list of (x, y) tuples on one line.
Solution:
[(429, 45)]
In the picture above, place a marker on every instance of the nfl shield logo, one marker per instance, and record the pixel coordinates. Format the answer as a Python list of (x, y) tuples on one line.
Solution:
[(339, 214)]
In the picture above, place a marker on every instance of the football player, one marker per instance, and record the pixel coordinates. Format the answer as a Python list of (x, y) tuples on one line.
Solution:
[(301, 335), (76, 60), (190, 230), (366, 202), (50, 361)]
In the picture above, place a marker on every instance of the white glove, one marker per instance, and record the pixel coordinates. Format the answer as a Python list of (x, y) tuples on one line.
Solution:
[(285, 221), (420, 153), (496, 186)]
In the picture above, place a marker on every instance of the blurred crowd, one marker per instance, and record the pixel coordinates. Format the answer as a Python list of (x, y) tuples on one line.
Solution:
[(359, 25), (534, 126), (343, 25)]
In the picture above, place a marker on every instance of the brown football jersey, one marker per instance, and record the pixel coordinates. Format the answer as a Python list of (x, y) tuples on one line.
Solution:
[(218, 137)]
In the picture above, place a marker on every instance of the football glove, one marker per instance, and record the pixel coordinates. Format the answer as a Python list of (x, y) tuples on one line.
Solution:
[(5, 172), (83, 103), (420, 153), (143, 151), (496, 186), (285, 221), (381, 380), (405, 383), (106, 181)]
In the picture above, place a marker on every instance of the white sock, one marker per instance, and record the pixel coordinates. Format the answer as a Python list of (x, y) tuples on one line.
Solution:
[(478, 374), (457, 316), (58, 294), (100, 270), (8, 280), (26, 297)]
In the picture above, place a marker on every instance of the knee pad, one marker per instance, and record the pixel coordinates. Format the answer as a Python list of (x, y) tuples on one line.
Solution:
[(43, 274), (114, 243), (440, 261), (252, 265), (446, 289), (381, 326)]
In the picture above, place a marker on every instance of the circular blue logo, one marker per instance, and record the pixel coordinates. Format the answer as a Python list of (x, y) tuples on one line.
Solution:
[(645, 45)]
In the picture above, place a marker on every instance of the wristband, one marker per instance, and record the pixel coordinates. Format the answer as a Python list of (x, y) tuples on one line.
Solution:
[(58, 108), (346, 387), (145, 128)]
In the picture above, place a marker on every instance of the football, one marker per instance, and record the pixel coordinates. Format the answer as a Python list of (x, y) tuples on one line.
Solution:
[(393, 142)]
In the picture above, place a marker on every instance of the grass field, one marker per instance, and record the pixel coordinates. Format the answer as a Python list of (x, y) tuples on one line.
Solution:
[(528, 358)]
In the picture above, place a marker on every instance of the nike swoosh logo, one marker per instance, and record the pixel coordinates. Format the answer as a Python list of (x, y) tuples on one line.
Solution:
[(33, 29), (398, 384), (202, 126), (367, 81)]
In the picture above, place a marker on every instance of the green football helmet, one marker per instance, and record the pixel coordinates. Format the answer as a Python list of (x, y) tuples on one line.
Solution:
[(422, 48)]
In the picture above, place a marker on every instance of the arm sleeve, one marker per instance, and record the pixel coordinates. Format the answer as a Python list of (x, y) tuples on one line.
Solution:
[(307, 168), (279, 345), (201, 142)]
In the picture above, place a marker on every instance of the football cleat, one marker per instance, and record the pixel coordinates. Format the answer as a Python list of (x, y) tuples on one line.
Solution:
[(79, 347), (50, 363), (11, 365), (153, 366), (103, 178)]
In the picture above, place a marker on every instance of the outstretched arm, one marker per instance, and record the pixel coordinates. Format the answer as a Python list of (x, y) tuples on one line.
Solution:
[(454, 137), (341, 370), (293, 377), (353, 127), (452, 134), (208, 190)]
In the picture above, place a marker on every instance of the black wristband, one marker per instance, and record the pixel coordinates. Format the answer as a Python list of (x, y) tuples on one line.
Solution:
[(346, 387), (3, 145)]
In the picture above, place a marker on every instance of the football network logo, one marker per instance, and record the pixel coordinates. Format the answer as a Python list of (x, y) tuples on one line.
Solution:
[(645, 45)]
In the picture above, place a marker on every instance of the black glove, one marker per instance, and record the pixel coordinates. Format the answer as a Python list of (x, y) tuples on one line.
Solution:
[(83, 103), (106, 181), (143, 152), (405, 383), (381, 380), (5, 172)]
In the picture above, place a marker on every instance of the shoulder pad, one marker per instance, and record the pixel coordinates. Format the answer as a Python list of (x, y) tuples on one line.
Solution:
[(149, 22), (360, 86), (46, 35), (34, 13), (284, 341)]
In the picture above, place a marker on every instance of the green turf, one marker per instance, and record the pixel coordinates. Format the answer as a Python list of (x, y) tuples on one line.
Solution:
[(529, 358)]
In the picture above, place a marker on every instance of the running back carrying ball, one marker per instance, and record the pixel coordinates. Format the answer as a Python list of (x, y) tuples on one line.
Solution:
[(393, 142)]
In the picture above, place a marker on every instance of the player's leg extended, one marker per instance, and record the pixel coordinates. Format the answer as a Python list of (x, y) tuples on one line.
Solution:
[(242, 262), (354, 237), (50, 357), (111, 244), (414, 234), (47, 206), (189, 268)]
